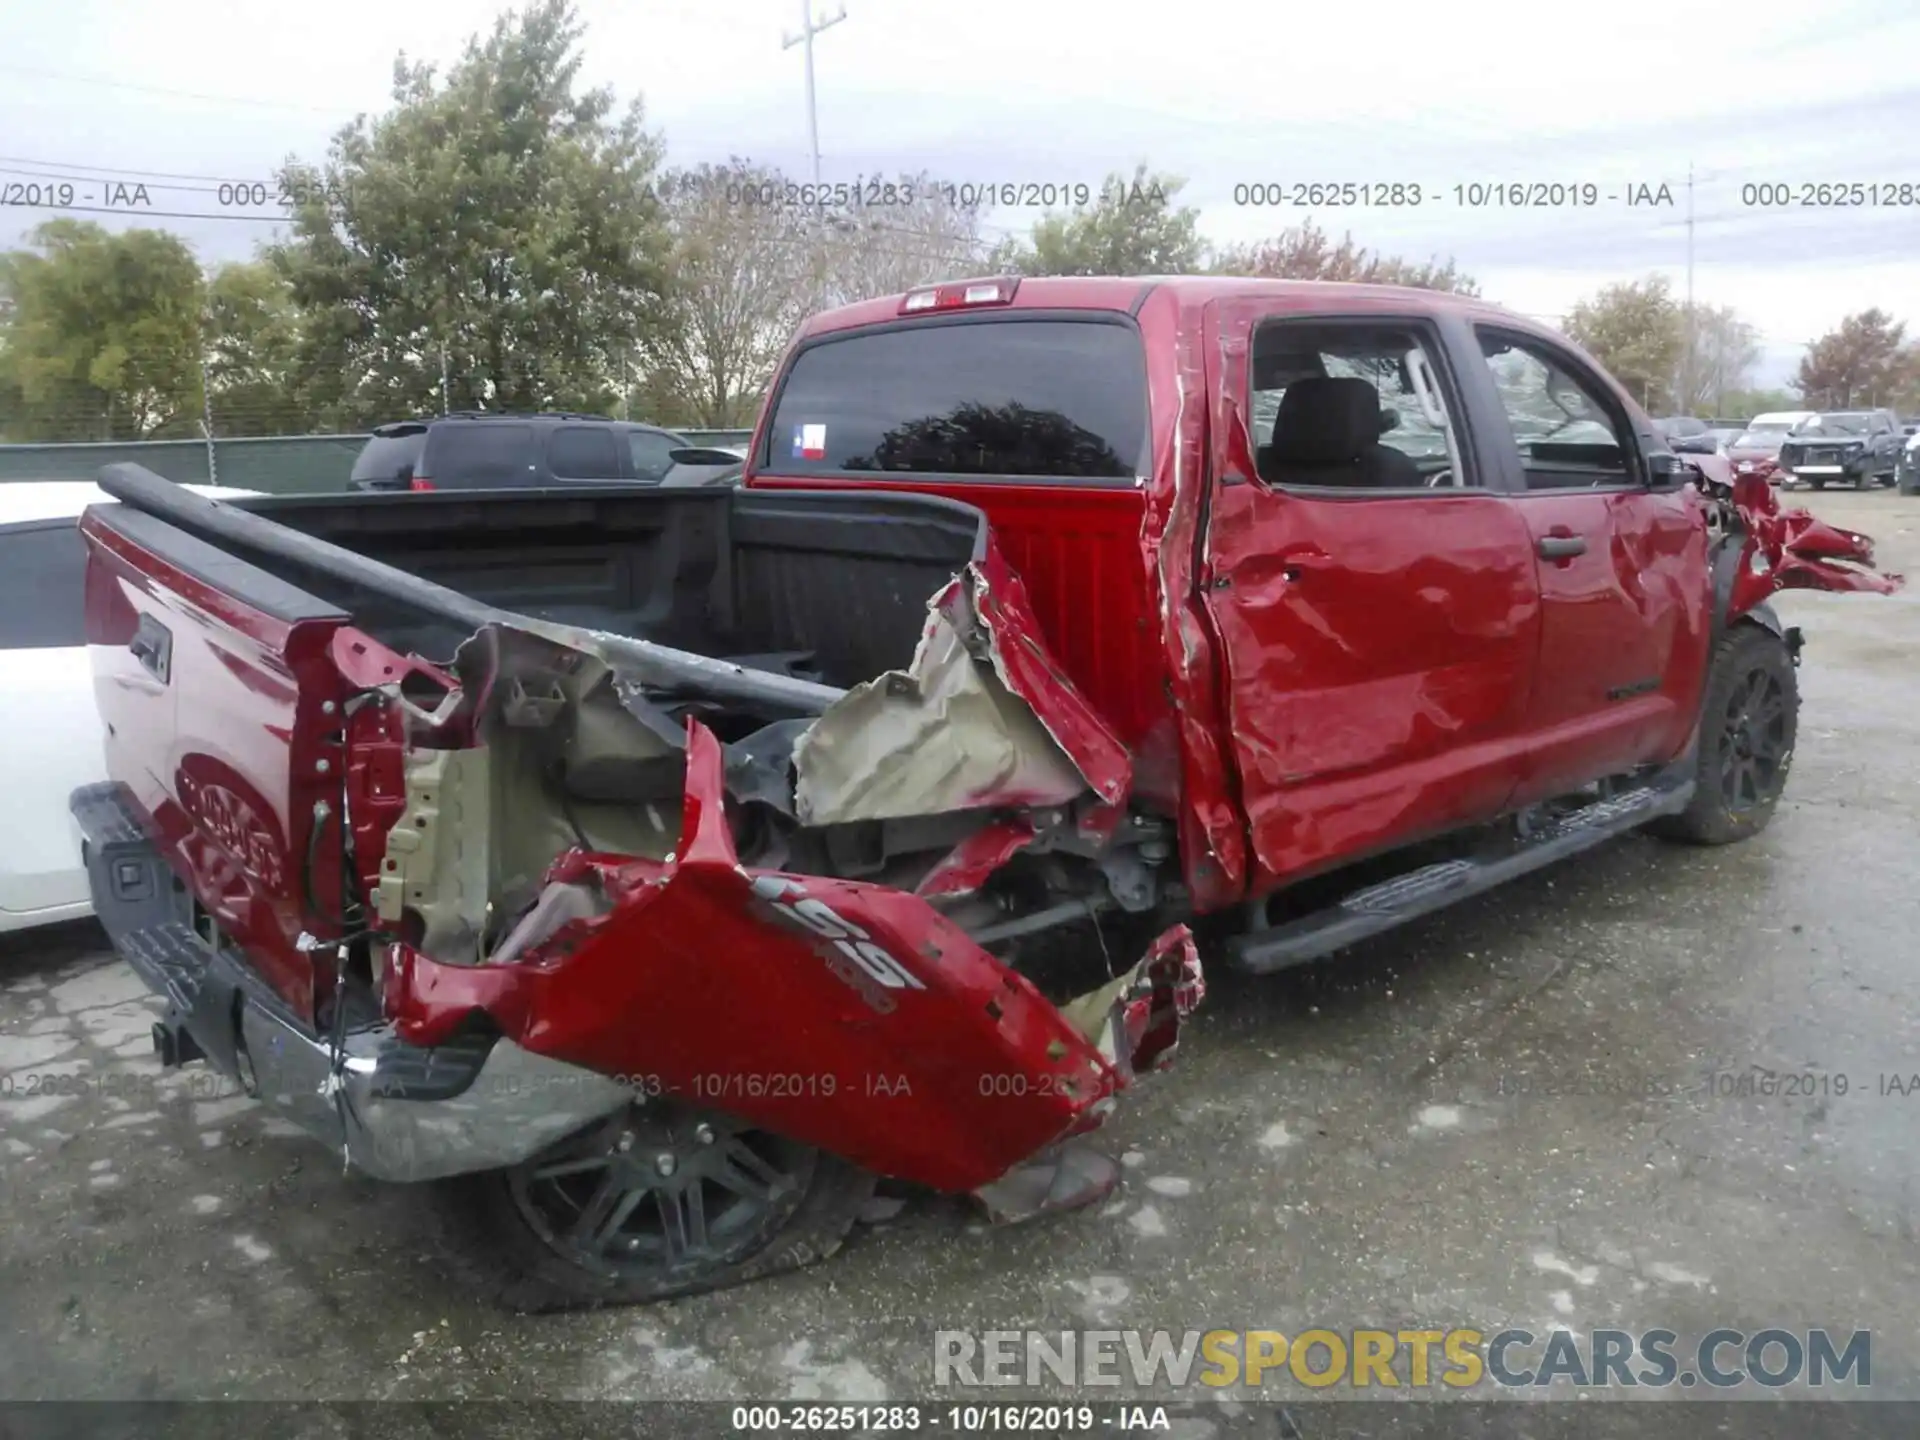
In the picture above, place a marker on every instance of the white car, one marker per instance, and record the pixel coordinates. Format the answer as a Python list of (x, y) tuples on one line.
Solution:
[(47, 716)]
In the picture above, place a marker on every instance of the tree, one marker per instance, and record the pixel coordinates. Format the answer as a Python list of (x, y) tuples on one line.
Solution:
[(1717, 355), (1132, 227), (1306, 252), (253, 340), (1863, 362), (1634, 329), (498, 230), (101, 335), (1748, 403), (887, 248), (742, 279)]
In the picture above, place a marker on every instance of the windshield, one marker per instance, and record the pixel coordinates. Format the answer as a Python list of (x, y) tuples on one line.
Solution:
[(1834, 425), (1053, 398), (1767, 427)]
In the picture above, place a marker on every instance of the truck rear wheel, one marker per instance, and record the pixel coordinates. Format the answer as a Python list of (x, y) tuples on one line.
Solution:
[(1748, 724), (658, 1201)]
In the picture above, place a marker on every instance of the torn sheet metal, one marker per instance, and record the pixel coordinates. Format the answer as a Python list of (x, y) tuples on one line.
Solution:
[(966, 867), (982, 716), (847, 1015), (1794, 550)]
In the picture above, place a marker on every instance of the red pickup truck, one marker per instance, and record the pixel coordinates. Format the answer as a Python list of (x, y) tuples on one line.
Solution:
[(651, 870)]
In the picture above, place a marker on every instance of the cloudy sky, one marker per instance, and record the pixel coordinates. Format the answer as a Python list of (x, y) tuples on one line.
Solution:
[(1228, 94)]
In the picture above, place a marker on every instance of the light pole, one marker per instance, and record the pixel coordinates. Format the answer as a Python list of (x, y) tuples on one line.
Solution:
[(1692, 319), (808, 29)]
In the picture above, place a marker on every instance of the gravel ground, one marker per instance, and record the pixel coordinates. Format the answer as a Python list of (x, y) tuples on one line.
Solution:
[(1451, 1126)]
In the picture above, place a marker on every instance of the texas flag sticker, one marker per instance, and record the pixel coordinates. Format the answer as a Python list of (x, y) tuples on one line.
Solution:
[(810, 442)]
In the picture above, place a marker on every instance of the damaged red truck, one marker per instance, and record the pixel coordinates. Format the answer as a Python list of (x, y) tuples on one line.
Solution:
[(651, 870)]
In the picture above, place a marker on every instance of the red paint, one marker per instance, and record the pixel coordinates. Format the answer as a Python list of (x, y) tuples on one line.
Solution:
[(1365, 673), (966, 867), (721, 997), (224, 759), (1800, 552), (1635, 609), (1025, 666)]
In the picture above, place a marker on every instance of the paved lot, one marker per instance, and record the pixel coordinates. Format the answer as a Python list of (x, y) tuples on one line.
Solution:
[(1406, 1136)]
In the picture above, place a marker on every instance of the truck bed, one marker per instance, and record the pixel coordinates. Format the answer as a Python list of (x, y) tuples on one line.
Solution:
[(843, 577)]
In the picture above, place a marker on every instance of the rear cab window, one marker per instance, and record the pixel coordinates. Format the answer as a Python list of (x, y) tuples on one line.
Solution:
[(1045, 396), (462, 454)]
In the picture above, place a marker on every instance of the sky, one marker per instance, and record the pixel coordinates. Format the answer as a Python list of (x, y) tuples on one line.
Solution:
[(1228, 94)]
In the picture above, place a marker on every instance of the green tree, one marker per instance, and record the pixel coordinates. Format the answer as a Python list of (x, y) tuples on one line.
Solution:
[(101, 335), (1132, 227), (1745, 404), (1717, 355), (253, 343), (499, 230), (1634, 328), (1864, 361), (1306, 252)]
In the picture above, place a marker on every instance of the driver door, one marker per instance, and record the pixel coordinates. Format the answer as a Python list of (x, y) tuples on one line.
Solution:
[(1378, 637)]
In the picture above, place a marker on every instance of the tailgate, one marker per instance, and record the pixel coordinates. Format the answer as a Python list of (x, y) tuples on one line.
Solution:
[(218, 696)]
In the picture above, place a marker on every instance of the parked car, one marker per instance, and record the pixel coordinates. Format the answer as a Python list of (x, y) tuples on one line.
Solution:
[(1862, 446), (1724, 436), (1907, 472), (46, 697), (1756, 450), (474, 451), (756, 841), (1687, 435)]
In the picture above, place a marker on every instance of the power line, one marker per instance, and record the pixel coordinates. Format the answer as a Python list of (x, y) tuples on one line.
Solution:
[(121, 170), (154, 214), (109, 84)]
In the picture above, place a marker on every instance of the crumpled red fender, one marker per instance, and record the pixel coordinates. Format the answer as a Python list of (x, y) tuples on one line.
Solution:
[(1800, 551)]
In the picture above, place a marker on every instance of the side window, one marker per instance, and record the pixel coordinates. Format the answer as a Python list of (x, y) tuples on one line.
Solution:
[(43, 580), (1569, 436), (1352, 406), (585, 452), (650, 450)]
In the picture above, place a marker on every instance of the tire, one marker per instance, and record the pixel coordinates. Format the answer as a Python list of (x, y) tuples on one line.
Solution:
[(501, 1230), (1749, 721)]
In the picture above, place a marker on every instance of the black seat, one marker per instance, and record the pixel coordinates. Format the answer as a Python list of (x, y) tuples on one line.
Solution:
[(1328, 433)]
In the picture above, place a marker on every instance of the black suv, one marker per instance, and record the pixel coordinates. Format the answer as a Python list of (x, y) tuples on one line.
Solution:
[(1858, 445), (472, 451)]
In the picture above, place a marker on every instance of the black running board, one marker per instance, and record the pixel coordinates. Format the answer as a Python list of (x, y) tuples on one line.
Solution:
[(1378, 908)]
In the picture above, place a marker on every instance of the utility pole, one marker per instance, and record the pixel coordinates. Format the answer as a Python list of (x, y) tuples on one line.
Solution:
[(206, 419), (808, 29), (1688, 399)]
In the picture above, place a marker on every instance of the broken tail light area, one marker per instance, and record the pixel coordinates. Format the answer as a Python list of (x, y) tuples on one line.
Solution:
[(961, 295), (1795, 550), (846, 1015)]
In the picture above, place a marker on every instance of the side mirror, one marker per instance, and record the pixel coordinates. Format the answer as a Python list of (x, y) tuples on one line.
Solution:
[(1666, 471)]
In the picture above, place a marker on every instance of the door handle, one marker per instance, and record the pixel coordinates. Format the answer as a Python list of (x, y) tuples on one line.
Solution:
[(1561, 547), (152, 646)]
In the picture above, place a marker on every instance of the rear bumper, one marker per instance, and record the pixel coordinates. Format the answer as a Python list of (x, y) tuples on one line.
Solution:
[(397, 1111)]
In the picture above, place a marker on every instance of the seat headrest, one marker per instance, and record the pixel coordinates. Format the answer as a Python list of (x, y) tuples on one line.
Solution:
[(1325, 420)]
